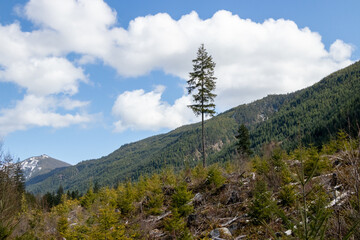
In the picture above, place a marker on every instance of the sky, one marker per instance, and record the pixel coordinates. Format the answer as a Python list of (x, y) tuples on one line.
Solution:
[(80, 78)]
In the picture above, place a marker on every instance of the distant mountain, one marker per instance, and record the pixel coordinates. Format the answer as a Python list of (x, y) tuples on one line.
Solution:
[(310, 116), (35, 166)]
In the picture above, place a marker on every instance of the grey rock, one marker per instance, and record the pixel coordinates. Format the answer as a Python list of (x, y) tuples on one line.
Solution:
[(198, 200), (220, 233)]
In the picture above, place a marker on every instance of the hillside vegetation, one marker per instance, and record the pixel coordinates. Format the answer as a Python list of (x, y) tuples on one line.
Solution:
[(316, 114), (311, 116), (267, 197), (154, 153)]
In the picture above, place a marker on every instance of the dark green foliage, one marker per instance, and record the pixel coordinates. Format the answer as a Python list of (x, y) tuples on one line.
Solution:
[(243, 144), (62, 225), (271, 167), (19, 178), (287, 195), (73, 195), (316, 113), (202, 80), (126, 197), (88, 198), (58, 196), (180, 200), (176, 226), (313, 164), (96, 187), (49, 200), (313, 161), (262, 207), (153, 194)]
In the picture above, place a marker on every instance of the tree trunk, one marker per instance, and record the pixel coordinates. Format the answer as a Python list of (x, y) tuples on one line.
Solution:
[(203, 139)]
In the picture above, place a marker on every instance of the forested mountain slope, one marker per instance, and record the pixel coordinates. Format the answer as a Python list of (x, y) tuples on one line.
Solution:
[(315, 114), (153, 153), (312, 115)]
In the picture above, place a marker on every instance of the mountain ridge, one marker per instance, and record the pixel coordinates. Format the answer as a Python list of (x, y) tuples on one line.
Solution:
[(302, 116), (39, 165)]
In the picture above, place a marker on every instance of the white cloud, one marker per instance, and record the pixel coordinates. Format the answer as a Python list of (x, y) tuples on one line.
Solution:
[(44, 76), (270, 57), (138, 110), (340, 51), (39, 111), (36, 61), (81, 25), (69, 104), (253, 59)]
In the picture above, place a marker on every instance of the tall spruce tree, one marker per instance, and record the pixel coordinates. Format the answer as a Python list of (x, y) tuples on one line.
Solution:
[(202, 81)]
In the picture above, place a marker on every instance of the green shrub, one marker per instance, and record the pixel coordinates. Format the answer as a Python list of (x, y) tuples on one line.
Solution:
[(154, 195), (88, 198), (199, 173), (126, 198), (176, 226), (62, 225), (215, 177), (262, 207), (181, 199), (287, 195), (260, 165)]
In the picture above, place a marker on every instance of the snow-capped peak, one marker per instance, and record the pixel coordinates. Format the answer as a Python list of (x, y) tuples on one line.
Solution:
[(29, 166), (37, 165)]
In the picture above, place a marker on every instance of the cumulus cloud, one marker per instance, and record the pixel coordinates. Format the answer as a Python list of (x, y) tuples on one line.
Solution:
[(340, 51), (36, 61), (138, 110), (80, 25), (44, 76), (253, 59), (39, 111)]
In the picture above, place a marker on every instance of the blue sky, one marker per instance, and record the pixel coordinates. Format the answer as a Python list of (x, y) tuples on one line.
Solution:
[(78, 79)]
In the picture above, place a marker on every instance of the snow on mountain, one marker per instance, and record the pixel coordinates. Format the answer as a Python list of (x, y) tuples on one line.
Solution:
[(38, 165)]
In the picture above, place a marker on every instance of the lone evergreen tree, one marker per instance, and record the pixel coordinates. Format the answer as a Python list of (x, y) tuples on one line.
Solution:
[(243, 144), (202, 81)]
